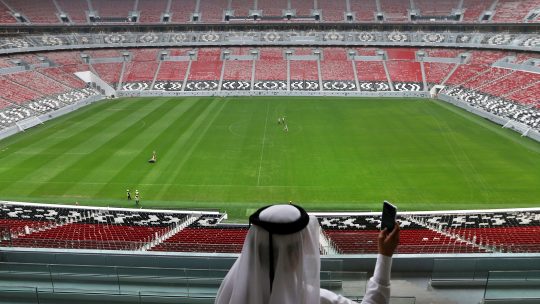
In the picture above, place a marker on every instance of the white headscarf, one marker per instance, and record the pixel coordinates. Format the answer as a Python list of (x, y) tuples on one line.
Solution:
[(296, 260)]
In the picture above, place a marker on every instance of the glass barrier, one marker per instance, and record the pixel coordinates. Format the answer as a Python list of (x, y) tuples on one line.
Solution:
[(455, 270), (86, 298), (183, 282), (513, 287), (18, 295), (331, 264), (393, 300), (475, 270), (197, 273), (34, 295), (402, 300), (149, 299), (26, 275), (199, 247), (74, 277), (346, 283)]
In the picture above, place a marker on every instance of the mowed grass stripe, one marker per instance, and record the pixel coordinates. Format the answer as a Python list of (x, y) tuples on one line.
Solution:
[(506, 161), (138, 167), (119, 169), (427, 158), (461, 158), (182, 150), (490, 164), (110, 138), (56, 177), (230, 156), (229, 152), (112, 170), (38, 139), (223, 161), (172, 152), (24, 167)]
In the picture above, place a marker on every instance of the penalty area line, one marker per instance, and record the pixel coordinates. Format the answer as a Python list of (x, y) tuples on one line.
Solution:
[(262, 148)]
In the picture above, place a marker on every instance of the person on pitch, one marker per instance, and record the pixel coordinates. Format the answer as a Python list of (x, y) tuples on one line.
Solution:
[(137, 198), (154, 157)]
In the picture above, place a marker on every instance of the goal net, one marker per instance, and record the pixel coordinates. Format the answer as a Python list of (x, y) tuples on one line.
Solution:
[(28, 123), (517, 126)]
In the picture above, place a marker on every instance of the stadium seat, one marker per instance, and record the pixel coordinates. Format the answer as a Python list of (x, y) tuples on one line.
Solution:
[(513, 11), (207, 66), (271, 65), (181, 10), (151, 10), (213, 11), (439, 8), (143, 66), (75, 9), (395, 10), (421, 233)]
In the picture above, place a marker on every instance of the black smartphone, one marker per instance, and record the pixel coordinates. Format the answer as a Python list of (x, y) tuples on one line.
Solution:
[(388, 216)]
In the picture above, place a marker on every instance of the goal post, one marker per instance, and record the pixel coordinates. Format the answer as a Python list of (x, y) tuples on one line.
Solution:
[(517, 126), (28, 123)]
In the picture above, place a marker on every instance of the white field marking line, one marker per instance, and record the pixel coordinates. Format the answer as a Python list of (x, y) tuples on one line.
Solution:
[(262, 148)]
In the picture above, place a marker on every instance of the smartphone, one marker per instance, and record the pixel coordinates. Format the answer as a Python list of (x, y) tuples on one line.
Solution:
[(388, 216)]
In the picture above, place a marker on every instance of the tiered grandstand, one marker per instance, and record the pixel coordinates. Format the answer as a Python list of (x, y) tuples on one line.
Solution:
[(43, 226), (219, 11), (482, 79)]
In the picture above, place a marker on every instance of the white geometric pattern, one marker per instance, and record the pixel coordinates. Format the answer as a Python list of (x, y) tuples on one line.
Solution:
[(14, 43), (10, 116), (339, 86), (51, 40), (397, 37), (498, 106), (433, 37), (115, 38), (210, 37), (85, 40), (149, 38), (366, 37), (271, 37), (44, 105), (306, 85), (209, 85), (404, 86), (168, 86), (463, 38), (374, 86), (179, 38), (235, 85), (532, 42), (135, 86), (333, 36), (74, 96), (500, 39), (14, 114), (270, 85)]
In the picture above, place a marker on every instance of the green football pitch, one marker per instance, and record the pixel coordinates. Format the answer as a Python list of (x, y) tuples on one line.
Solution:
[(231, 154)]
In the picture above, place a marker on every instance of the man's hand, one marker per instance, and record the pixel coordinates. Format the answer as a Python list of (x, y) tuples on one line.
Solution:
[(388, 242)]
